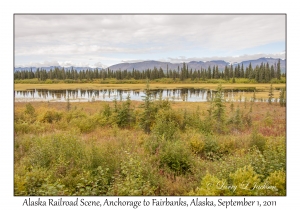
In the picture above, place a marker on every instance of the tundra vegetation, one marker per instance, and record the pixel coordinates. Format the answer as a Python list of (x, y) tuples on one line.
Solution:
[(152, 147)]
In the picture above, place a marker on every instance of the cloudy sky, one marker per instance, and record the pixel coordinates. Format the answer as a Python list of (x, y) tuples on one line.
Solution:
[(105, 40)]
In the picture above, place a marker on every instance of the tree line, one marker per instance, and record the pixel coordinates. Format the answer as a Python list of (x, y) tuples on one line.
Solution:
[(260, 73)]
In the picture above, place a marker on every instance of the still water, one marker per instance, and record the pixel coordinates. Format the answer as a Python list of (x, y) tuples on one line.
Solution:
[(80, 95)]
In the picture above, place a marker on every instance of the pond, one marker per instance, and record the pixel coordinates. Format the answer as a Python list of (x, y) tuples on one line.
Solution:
[(81, 95)]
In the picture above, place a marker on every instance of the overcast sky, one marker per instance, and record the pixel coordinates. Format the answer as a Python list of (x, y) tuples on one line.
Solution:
[(105, 40)]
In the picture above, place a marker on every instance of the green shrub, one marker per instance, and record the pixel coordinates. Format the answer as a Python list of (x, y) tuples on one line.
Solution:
[(227, 146), (85, 125), (245, 179), (107, 111), (29, 183), (197, 144), (241, 157), (131, 180), (166, 124), (51, 116), (275, 155), (177, 157), (211, 186), (268, 119), (52, 189), (25, 127), (123, 115), (75, 114), (275, 184), (29, 109), (50, 151), (206, 126), (153, 144), (211, 148), (257, 140), (95, 183)]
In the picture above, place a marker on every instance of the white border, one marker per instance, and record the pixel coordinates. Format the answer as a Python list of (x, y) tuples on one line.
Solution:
[(8, 8)]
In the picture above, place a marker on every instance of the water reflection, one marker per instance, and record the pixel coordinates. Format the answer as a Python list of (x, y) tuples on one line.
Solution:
[(81, 95)]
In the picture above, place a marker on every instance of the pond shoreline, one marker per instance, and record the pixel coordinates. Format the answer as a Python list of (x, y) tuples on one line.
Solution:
[(92, 86)]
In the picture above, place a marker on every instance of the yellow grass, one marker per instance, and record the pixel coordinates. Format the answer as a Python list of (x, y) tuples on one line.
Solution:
[(264, 87)]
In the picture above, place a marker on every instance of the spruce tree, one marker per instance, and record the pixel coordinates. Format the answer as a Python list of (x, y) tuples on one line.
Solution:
[(271, 94), (218, 112), (278, 73), (68, 103), (147, 117), (282, 98)]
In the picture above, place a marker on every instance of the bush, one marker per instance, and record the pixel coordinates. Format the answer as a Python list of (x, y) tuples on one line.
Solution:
[(275, 184), (85, 125), (197, 145), (95, 183), (131, 181), (25, 127), (75, 114), (227, 146), (275, 155), (257, 140), (211, 186), (206, 126), (55, 150), (211, 148), (268, 119), (245, 179), (177, 157), (51, 116), (231, 163), (52, 189), (166, 124), (30, 183), (123, 115), (29, 109)]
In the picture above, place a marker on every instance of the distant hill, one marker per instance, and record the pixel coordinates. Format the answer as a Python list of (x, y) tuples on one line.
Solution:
[(194, 64), (52, 67), (173, 66), (271, 61), (164, 65)]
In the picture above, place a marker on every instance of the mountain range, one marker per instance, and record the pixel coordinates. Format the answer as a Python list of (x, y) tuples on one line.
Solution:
[(47, 68), (174, 66), (196, 64)]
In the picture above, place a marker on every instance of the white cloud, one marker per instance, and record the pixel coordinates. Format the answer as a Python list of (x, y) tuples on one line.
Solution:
[(237, 58), (64, 36), (133, 61), (39, 64), (62, 64), (98, 65)]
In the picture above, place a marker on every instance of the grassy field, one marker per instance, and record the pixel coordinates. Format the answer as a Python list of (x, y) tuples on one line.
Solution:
[(259, 87), (159, 148)]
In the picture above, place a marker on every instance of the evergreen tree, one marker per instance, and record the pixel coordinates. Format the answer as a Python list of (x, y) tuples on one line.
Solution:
[(226, 73), (231, 71), (278, 73), (147, 117), (68, 103), (218, 112), (209, 75), (250, 74), (242, 73), (271, 94), (282, 97), (267, 73)]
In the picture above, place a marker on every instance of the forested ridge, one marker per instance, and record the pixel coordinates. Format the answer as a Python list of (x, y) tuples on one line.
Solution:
[(263, 73)]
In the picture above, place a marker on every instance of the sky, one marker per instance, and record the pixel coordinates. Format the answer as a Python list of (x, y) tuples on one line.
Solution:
[(105, 40)]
